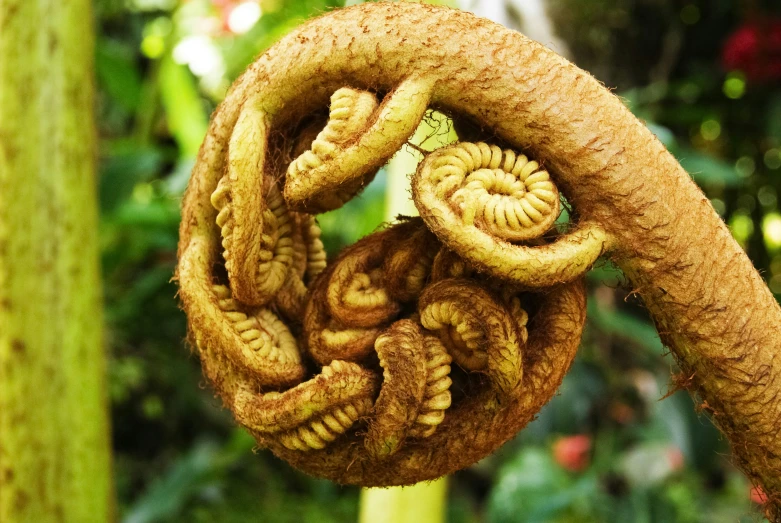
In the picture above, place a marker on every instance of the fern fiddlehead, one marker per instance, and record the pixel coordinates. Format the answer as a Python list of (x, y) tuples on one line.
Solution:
[(489, 211)]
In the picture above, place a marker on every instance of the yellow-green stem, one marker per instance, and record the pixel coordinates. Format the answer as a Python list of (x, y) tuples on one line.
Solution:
[(423, 502), (54, 436)]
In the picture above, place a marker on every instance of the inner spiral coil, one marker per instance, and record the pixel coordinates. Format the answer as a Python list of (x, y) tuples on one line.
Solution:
[(499, 191)]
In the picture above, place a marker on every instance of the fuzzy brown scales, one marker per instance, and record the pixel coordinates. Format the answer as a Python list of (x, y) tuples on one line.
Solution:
[(632, 201), (478, 329), (312, 414), (349, 304), (403, 388), (350, 113), (408, 264)]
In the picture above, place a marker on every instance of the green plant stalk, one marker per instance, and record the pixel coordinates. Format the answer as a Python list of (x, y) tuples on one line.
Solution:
[(54, 431), (420, 502)]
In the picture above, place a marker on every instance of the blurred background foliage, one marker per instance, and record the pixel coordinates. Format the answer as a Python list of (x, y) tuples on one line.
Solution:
[(703, 74)]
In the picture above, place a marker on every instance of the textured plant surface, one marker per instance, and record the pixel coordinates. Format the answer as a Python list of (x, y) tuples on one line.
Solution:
[(55, 446), (425, 346)]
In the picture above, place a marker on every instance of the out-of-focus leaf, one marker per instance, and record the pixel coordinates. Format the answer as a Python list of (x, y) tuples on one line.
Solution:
[(707, 169), (706, 442), (664, 134), (357, 218), (117, 73), (459, 508), (637, 98), (673, 414), (648, 464), (158, 212), (773, 118), (195, 470), (176, 182), (683, 114), (121, 170), (125, 375), (533, 488), (136, 230), (152, 5), (622, 325), (168, 494), (606, 273), (524, 487), (270, 28), (144, 289), (568, 412), (184, 108)]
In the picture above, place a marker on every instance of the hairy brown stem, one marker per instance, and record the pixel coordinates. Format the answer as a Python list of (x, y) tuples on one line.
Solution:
[(491, 208)]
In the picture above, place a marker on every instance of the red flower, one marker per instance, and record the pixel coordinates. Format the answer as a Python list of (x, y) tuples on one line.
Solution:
[(572, 452), (755, 49), (224, 8), (758, 495), (675, 457)]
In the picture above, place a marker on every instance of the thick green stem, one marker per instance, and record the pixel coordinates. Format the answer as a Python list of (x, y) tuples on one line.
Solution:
[(54, 433), (421, 502)]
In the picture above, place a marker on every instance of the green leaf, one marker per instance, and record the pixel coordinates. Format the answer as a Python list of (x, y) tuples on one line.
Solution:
[(647, 465), (184, 108), (773, 115), (357, 218), (117, 72), (582, 392), (528, 485), (200, 467), (168, 494), (664, 134), (122, 169), (533, 488), (626, 326), (707, 169)]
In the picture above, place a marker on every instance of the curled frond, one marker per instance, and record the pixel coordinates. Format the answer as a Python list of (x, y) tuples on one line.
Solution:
[(315, 251), (448, 264), (407, 266), (477, 329), (382, 323), (263, 270), (350, 113), (403, 361), (350, 304), (334, 173), (496, 190), (356, 294), (328, 340), (436, 397), (259, 341), (479, 198), (312, 414), (309, 259)]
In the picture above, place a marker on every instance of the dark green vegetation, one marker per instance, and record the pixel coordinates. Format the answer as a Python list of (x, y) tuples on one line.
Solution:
[(699, 73)]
